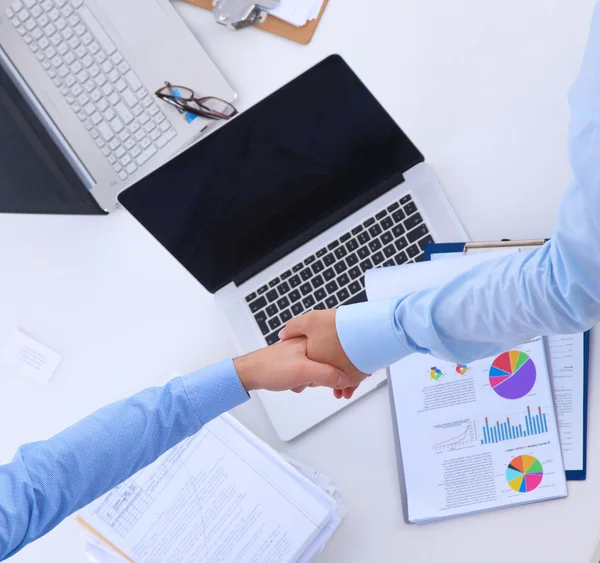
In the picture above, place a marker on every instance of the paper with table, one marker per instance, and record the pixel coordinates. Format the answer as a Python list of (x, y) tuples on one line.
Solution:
[(221, 495), (485, 435), (567, 355)]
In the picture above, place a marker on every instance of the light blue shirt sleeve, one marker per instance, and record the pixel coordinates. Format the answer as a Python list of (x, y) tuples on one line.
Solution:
[(47, 481), (497, 305)]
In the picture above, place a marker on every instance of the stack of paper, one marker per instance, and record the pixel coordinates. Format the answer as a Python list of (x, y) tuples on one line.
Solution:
[(222, 495), (297, 12)]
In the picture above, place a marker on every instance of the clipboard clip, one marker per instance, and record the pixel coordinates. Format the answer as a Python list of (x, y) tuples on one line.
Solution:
[(238, 14), (505, 243)]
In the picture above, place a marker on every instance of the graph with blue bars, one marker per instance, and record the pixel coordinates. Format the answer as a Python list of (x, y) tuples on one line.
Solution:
[(501, 431)]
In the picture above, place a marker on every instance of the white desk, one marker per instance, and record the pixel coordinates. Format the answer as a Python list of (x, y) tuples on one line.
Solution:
[(481, 88)]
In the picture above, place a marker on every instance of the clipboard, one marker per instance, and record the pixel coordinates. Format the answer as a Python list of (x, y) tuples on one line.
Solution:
[(301, 35), (470, 247)]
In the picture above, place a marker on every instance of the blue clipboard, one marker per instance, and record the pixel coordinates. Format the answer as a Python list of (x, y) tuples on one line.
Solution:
[(572, 475)]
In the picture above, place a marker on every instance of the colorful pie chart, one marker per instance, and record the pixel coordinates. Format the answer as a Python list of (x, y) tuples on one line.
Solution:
[(512, 374), (524, 474)]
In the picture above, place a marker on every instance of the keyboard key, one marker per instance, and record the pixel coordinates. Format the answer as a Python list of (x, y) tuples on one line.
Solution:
[(283, 303), (355, 272), (418, 233), (260, 316), (308, 302), (146, 155), (305, 289), (389, 251), (363, 238), (352, 245), (258, 304), (272, 338), (297, 309), (283, 288), (333, 245), (262, 289), (389, 263), (298, 267), (405, 200), (105, 131), (398, 231), (352, 260), (370, 221), (354, 287), (331, 287), (343, 280), (375, 230), (377, 258), (124, 113), (401, 243), (272, 296), (272, 310), (306, 274), (285, 316), (340, 267), (393, 207), (317, 281), (387, 237), (133, 81), (401, 258), (357, 230), (424, 242), (319, 306), (286, 275), (366, 265), (340, 252), (320, 294), (318, 267), (321, 252), (343, 295), (329, 259), (309, 260), (294, 295), (274, 323), (358, 298), (387, 223), (410, 208), (381, 215), (413, 221), (331, 302), (398, 215), (375, 245), (329, 274), (363, 252), (413, 251)]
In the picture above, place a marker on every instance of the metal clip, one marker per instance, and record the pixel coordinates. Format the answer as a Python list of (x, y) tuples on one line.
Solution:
[(237, 14)]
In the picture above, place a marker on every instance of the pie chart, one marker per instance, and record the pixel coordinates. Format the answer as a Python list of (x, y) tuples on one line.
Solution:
[(524, 474), (512, 374)]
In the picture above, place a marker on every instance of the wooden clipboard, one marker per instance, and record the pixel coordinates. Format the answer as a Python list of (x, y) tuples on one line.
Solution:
[(301, 35)]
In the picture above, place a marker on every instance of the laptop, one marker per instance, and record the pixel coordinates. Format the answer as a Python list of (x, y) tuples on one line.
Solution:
[(285, 208), (79, 120)]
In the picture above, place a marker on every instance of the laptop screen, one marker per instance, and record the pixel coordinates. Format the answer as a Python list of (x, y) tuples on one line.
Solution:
[(283, 171)]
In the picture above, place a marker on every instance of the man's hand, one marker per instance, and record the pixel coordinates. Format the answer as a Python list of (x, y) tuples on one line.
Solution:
[(286, 366), (324, 346)]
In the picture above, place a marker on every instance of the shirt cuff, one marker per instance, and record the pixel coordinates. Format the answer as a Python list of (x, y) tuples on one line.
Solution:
[(368, 336), (214, 390)]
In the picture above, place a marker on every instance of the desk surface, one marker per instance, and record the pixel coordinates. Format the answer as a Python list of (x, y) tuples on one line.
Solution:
[(482, 89)]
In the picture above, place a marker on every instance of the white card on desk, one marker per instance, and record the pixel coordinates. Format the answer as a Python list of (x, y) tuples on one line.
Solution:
[(29, 357)]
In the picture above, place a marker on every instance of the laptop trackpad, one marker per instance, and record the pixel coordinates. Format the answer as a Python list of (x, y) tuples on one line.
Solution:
[(134, 20)]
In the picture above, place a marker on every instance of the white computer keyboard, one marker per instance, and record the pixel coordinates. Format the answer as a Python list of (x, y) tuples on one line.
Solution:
[(121, 116)]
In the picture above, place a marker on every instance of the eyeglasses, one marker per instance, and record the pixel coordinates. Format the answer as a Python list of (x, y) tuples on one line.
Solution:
[(184, 99)]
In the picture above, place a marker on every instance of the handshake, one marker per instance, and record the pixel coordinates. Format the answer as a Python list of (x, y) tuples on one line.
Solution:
[(310, 355)]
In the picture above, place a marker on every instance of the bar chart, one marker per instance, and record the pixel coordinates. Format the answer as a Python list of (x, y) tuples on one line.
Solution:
[(500, 431)]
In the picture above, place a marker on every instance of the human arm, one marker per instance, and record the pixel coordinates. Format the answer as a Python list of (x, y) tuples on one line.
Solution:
[(47, 481), (497, 305)]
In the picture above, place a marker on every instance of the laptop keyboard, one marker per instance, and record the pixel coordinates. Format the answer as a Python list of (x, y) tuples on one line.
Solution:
[(120, 115), (335, 275)]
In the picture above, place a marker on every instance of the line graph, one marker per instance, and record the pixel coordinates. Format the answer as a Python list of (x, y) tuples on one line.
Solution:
[(454, 435)]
